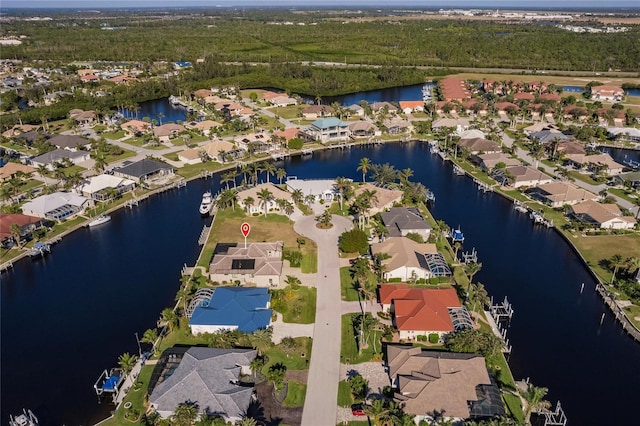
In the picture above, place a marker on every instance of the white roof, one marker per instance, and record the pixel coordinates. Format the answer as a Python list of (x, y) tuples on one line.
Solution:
[(312, 186), (49, 202), (631, 131), (100, 182), (471, 134)]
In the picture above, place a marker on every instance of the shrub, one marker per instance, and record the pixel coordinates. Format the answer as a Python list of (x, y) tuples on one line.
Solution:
[(414, 236), (354, 241), (434, 338)]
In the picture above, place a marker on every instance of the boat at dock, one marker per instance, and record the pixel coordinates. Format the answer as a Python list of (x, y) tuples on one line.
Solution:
[(39, 250), (206, 204), (99, 220), (27, 418), (457, 235), (109, 383), (431, 196)]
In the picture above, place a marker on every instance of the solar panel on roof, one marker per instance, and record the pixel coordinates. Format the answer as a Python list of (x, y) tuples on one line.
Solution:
[(243, 263)]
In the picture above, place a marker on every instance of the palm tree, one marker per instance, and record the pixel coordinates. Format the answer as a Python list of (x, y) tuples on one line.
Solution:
[(288, 208), (256, 365), (324, 219), (342, 185), (616, 261), (183, 294), (245, 168), (230, 176), (456, 247), (536, 150), (169, 317), (533, 397), (16, 233), (160, 117), (633, 263), (269, 170), (471, 269), (280, 174), (364, 166), (261, 340), (185, 414), (126, 361), (100, 164), (297, 196), (247, 421), (265, 197), (150, 336), (42, 171), (249, 202)]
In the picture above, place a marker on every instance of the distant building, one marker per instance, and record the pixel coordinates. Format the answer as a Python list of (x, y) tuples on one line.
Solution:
[(27, 225), (10, 169), (327, 130), (145, 169), (320, 189), (557, 194), (521, 176), (102, 187), (56, 206), (257, 207), (51, 158), (401, 221), (407, 260), (605, 216), (607, 93)]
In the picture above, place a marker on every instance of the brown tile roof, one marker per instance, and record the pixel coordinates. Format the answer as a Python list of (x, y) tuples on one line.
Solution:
[(384, 197), (454, 89), (10, 169), (524, 96), (402, 252), (480, 145), (8, 219)]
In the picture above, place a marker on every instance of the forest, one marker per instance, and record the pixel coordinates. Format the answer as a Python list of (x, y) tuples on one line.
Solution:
[(282, 37)]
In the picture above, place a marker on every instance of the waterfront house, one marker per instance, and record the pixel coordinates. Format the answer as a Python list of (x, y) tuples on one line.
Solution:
[(26, 223), (630, 178), (51, 158), (145, 169), (56, 206), (459, 124), (608, 93), (602, 215), (256, 206), (218, 150), (480, 145), (538, 127), (407, 260), (488, 162), (278, 99), (329, 129), (454, 89), (321, 189), (245, 309), (363, 128), (206, 126), (20, 129), (255, 263), (557, 194), (471, 134), (570, 147), (421, 311), (104, 187), (521, 176), (384, 198), (313, 112), (10, 169), (595, 163), (191, 156), (547, 136), (624, 133), (207, 376), (356, 109), (167, 131), (429, 384), (287, 134), (387, 107), (397, 126), (411, 106), (401, 221)]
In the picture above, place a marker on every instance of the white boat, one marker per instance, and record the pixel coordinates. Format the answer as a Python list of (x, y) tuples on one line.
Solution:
[(206, 204), (39, 249), (100, 220), (536, 217), (457, 235), (27, 418)]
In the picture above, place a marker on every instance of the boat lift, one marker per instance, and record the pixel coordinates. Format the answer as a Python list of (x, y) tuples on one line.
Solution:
[(109, 383)]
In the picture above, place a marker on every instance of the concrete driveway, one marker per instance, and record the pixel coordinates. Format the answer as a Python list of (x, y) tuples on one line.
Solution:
[(324, 371)]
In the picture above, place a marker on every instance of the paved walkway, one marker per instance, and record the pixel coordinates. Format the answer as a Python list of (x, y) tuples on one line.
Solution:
[(283, 329), (320, 407)]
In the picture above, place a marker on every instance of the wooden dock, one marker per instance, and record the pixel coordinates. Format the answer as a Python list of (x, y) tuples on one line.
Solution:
[(609, 300)]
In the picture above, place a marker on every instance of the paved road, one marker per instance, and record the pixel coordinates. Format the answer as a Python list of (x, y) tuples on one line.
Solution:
[(320, 408)]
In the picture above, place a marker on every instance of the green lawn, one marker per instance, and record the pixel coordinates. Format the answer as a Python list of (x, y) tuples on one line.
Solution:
[(113, 135), (295, 394), (299, 305), (583, 177), (349, 293), (514, 406), (598, 247), (344, 394), (309, 262), (622, 193), (292, 358), (349, 348)]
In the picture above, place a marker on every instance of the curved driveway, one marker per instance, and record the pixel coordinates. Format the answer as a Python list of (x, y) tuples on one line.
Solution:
[(320, 407)]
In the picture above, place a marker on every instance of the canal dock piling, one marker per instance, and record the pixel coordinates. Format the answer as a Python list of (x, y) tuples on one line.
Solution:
[(555, 417), (470, 257)]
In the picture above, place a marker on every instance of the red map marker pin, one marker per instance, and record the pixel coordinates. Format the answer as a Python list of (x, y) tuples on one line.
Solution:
[(245, 228)]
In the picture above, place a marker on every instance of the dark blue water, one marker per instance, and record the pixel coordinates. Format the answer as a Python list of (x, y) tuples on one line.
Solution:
[(392, 94), (578, 89), (622, 155), (66, 318), (153, 109), (632, 92)]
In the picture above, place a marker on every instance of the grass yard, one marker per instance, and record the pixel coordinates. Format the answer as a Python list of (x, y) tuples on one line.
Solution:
[(598, 247), (347, 291), (291, 357), (295, 394), (113, 135), (344, 394), (349, 348), (274, 227), (514, 406), (296, 306)]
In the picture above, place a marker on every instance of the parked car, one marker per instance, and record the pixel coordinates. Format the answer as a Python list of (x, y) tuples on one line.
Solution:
[(358, 410)]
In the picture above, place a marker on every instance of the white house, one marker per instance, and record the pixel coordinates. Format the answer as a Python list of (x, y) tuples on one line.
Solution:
[(250, 201)]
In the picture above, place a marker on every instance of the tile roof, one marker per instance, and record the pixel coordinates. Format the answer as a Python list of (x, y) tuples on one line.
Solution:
[(403, 252)]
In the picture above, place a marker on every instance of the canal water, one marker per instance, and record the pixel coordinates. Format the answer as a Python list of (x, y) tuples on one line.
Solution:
[(67, 317), (160, 110)]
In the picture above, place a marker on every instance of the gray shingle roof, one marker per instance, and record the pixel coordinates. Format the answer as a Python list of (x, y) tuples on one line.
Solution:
[(402, 218), (207, 377)]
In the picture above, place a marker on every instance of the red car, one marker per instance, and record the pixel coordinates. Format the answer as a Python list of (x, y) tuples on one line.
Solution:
[(358, 410)]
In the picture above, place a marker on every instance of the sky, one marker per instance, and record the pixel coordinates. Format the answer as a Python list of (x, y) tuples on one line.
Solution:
[(502, 4)]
